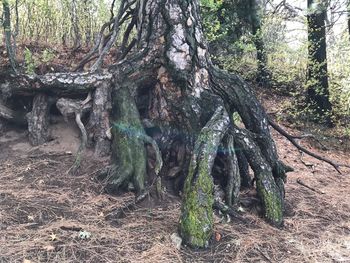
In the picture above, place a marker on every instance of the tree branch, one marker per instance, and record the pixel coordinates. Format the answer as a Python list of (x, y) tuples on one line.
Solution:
[(291, 138)]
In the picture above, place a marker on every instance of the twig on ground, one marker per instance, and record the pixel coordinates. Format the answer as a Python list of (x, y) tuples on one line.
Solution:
[(119, 211), (309, 165), (299, 181), (71, 228)]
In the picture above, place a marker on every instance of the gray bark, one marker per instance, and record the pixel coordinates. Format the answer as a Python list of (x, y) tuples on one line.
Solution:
[(38, 120), (8, 35), (58, 84), (99, 126)]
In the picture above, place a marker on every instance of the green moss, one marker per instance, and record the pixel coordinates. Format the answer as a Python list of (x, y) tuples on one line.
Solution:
[(196, 221), (128, 147), (272, 202)]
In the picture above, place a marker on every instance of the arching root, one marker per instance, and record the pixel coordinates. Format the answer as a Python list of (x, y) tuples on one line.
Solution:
[(69, 107)]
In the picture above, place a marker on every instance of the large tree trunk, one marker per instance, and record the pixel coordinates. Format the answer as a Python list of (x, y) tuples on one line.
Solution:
[(183, 96), (317, 75), (167, 93)]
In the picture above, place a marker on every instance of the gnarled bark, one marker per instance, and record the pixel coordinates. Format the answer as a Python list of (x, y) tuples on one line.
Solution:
[(38, 120), (99, 126), (129, 154), (196, 222), (59, 84)]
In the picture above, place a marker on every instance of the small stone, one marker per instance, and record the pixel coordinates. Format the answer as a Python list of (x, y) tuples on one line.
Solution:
[(241, 209), (176, 239)]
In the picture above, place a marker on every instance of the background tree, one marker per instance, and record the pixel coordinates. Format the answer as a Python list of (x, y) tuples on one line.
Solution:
[(317, 74), (348, 14), (257, 14), (6, 20)]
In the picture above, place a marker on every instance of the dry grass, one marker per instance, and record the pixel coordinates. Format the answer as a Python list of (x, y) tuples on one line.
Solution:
[(37, 198)]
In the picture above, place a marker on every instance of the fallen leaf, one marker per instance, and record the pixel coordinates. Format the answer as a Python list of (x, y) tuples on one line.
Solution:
[(53, 237), (49, 248), (84, 234), (241, 209), (217, 236)]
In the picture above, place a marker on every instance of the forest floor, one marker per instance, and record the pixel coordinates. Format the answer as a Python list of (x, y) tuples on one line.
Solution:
[(43, 210)]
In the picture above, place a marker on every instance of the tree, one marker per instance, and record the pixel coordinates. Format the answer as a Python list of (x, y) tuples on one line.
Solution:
[(75, 25), (317, 75), (7, 29), (163, 90), (256, 17), (348, 16)]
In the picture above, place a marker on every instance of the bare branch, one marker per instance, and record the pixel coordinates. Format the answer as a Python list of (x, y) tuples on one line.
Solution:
[(298, 146)]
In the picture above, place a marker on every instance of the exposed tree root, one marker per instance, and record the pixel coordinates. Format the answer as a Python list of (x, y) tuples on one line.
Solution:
[(270, 189), (69, 107), (233, 176), (129, 154), (58, 84), (38, 120), (225, 209), (291, 138), (13, 116), (196, 223), (79, 155)]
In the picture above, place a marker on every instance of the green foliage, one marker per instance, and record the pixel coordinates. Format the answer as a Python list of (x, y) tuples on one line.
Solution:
[(32, 61), (227, 25), (29, 62), (287, 64), (51, 22), (47, 56), (211, 21), (339, 77)]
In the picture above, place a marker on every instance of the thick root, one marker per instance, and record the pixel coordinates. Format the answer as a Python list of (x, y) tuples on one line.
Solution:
[(268, 189), (129, 153), (38, 120), (233, 176), (196, 223)]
